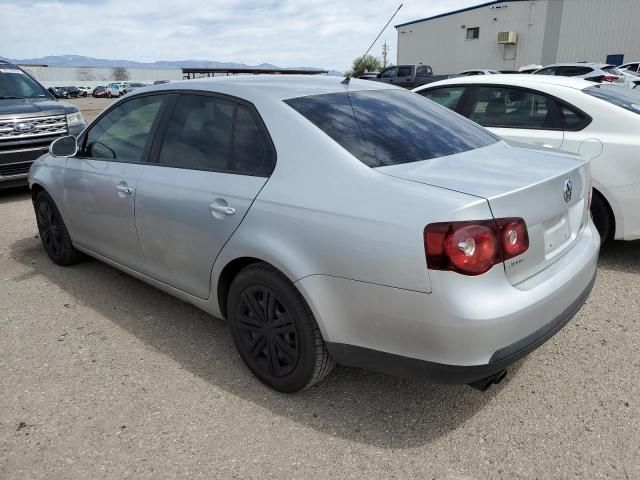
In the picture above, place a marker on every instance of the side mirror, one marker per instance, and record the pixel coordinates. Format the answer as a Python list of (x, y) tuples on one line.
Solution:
[(64, 147)]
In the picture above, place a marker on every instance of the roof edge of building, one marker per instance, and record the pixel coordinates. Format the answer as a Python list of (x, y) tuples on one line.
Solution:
[(461, 10)]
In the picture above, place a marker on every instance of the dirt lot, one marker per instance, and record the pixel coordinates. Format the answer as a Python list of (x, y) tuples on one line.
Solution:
[(91, 107), (102, 376)]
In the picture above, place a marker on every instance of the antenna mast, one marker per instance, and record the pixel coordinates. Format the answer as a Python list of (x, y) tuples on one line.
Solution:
[(347, 78)]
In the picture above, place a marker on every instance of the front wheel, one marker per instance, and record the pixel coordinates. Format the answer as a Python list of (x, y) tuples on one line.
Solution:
[(53, 232), (275, 331)]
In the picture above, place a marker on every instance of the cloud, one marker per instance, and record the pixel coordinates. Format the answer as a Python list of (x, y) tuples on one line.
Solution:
[(288, 33)]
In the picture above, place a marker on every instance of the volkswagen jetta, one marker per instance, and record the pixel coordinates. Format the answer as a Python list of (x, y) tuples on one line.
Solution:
[(329, 222)]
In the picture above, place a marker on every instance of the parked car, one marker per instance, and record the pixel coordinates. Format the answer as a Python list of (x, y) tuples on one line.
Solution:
[(525, 69), (477, 71), (130, 87), (73, 92), (85, 91), (59, 92), (30, 119), (598, 121), (595, 72), (99, 91), (116, 89), (633, 68), (362, 225), (408, 76)]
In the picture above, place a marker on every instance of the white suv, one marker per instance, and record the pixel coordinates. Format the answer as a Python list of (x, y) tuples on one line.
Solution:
[(116, 89)]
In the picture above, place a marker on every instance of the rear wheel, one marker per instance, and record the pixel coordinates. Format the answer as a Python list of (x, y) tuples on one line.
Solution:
[(602, 218), (275, 331), (53, 232)]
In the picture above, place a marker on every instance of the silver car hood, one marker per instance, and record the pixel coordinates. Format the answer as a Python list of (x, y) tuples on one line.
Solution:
[(517, 182)]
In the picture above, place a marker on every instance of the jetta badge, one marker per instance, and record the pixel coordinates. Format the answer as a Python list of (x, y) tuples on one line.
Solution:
[(23, 127), (567, 190)]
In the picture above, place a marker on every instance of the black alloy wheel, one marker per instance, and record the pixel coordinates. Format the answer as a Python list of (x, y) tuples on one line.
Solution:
[(275, 331), (269, 336), (53, 232)]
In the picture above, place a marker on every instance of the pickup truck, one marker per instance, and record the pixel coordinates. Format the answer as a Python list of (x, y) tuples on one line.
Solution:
[(408, 76)]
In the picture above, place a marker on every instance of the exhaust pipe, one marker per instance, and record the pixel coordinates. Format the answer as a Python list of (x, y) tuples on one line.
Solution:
[(484, 383)]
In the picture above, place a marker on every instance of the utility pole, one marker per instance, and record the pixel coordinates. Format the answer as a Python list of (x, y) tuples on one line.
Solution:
[(385, 50)]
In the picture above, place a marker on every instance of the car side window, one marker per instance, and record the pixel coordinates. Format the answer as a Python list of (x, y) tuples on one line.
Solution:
[(447, 97), (547, 71), (121, 135), (405, 71), (388, 73), (422, 71), (571, 119), (252, 149), (574, 71), (199, 134), (514, 108)]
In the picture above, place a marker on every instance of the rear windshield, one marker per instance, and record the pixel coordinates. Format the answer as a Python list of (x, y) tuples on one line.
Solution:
[(389, 127), (617, 95)]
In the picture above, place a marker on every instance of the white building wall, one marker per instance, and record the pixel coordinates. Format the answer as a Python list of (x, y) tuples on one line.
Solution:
[(593, 29), (442, 42), (94, 76)]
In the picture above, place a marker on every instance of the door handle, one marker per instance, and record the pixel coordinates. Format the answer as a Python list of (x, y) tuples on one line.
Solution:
[(124, 189), (223, 209)]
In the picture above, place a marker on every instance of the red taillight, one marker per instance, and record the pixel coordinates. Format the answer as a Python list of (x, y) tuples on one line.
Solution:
[(473, 248), (610, 78)]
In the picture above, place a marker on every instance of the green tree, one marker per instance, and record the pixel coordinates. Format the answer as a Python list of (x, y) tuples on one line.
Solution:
[(367, 64)]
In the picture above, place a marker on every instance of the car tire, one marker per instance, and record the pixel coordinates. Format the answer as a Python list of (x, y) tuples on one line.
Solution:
[(275, 331), (602, 218), (53, 232), (108, 94)]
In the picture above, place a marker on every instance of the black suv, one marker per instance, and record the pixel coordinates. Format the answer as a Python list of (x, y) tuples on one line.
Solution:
[(30, 119)]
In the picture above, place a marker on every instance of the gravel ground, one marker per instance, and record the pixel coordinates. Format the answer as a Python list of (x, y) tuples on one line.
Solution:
[(91, 107), (102, 376)]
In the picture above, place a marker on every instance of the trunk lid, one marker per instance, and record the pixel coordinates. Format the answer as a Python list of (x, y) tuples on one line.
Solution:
[(517, 182)]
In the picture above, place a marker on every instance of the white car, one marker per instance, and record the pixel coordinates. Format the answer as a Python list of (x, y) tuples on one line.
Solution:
[(597, 121), (633, 68), (596, 72), (116, 89), (85, 91)]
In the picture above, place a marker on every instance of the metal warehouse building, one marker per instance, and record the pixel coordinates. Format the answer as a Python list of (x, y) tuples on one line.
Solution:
[(508, 34)]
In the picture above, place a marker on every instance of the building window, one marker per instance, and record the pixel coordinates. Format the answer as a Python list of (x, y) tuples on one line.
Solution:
[(473, 33)]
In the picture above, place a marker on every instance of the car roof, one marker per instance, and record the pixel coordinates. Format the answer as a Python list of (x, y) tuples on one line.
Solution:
[(273, 87), (578, 64), (515, 80)]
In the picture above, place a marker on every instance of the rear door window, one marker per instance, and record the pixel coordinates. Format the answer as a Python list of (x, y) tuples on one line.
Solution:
[(446, 96), (513, 108), (405, 71), (389, 127), (211, 133), (573, 71)]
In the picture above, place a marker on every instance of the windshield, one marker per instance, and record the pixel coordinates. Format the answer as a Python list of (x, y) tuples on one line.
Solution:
[(389, 127), (14, 83), (622, 97)]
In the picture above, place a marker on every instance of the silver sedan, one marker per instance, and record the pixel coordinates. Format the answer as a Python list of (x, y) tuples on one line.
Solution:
[(329, 222)]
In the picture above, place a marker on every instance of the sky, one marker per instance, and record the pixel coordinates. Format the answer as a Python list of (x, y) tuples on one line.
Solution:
[(288, 33)]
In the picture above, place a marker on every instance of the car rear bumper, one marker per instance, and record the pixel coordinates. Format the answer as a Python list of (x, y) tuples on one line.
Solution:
[(466, 329), (398, 365)]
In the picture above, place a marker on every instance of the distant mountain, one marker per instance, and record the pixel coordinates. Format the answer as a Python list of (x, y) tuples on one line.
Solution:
[(81, 61)]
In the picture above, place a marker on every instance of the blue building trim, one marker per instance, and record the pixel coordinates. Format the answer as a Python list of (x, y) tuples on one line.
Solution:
[(488, 4)]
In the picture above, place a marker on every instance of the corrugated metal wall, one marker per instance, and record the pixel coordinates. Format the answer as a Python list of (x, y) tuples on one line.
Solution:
[(593, 29), (92, 76), (442, 42), (549, 31)]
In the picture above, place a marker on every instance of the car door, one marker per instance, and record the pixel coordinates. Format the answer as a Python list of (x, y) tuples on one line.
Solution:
[(100, 182), (516, 114), (211, 159), (404, 76), (388, 75)]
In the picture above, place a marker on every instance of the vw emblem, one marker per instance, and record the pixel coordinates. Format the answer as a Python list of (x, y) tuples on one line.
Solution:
[(23, 127), (567, 191)]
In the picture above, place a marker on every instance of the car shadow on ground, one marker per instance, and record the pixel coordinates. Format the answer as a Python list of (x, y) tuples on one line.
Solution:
[(16, 194), (361, 406), (621, 256)]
